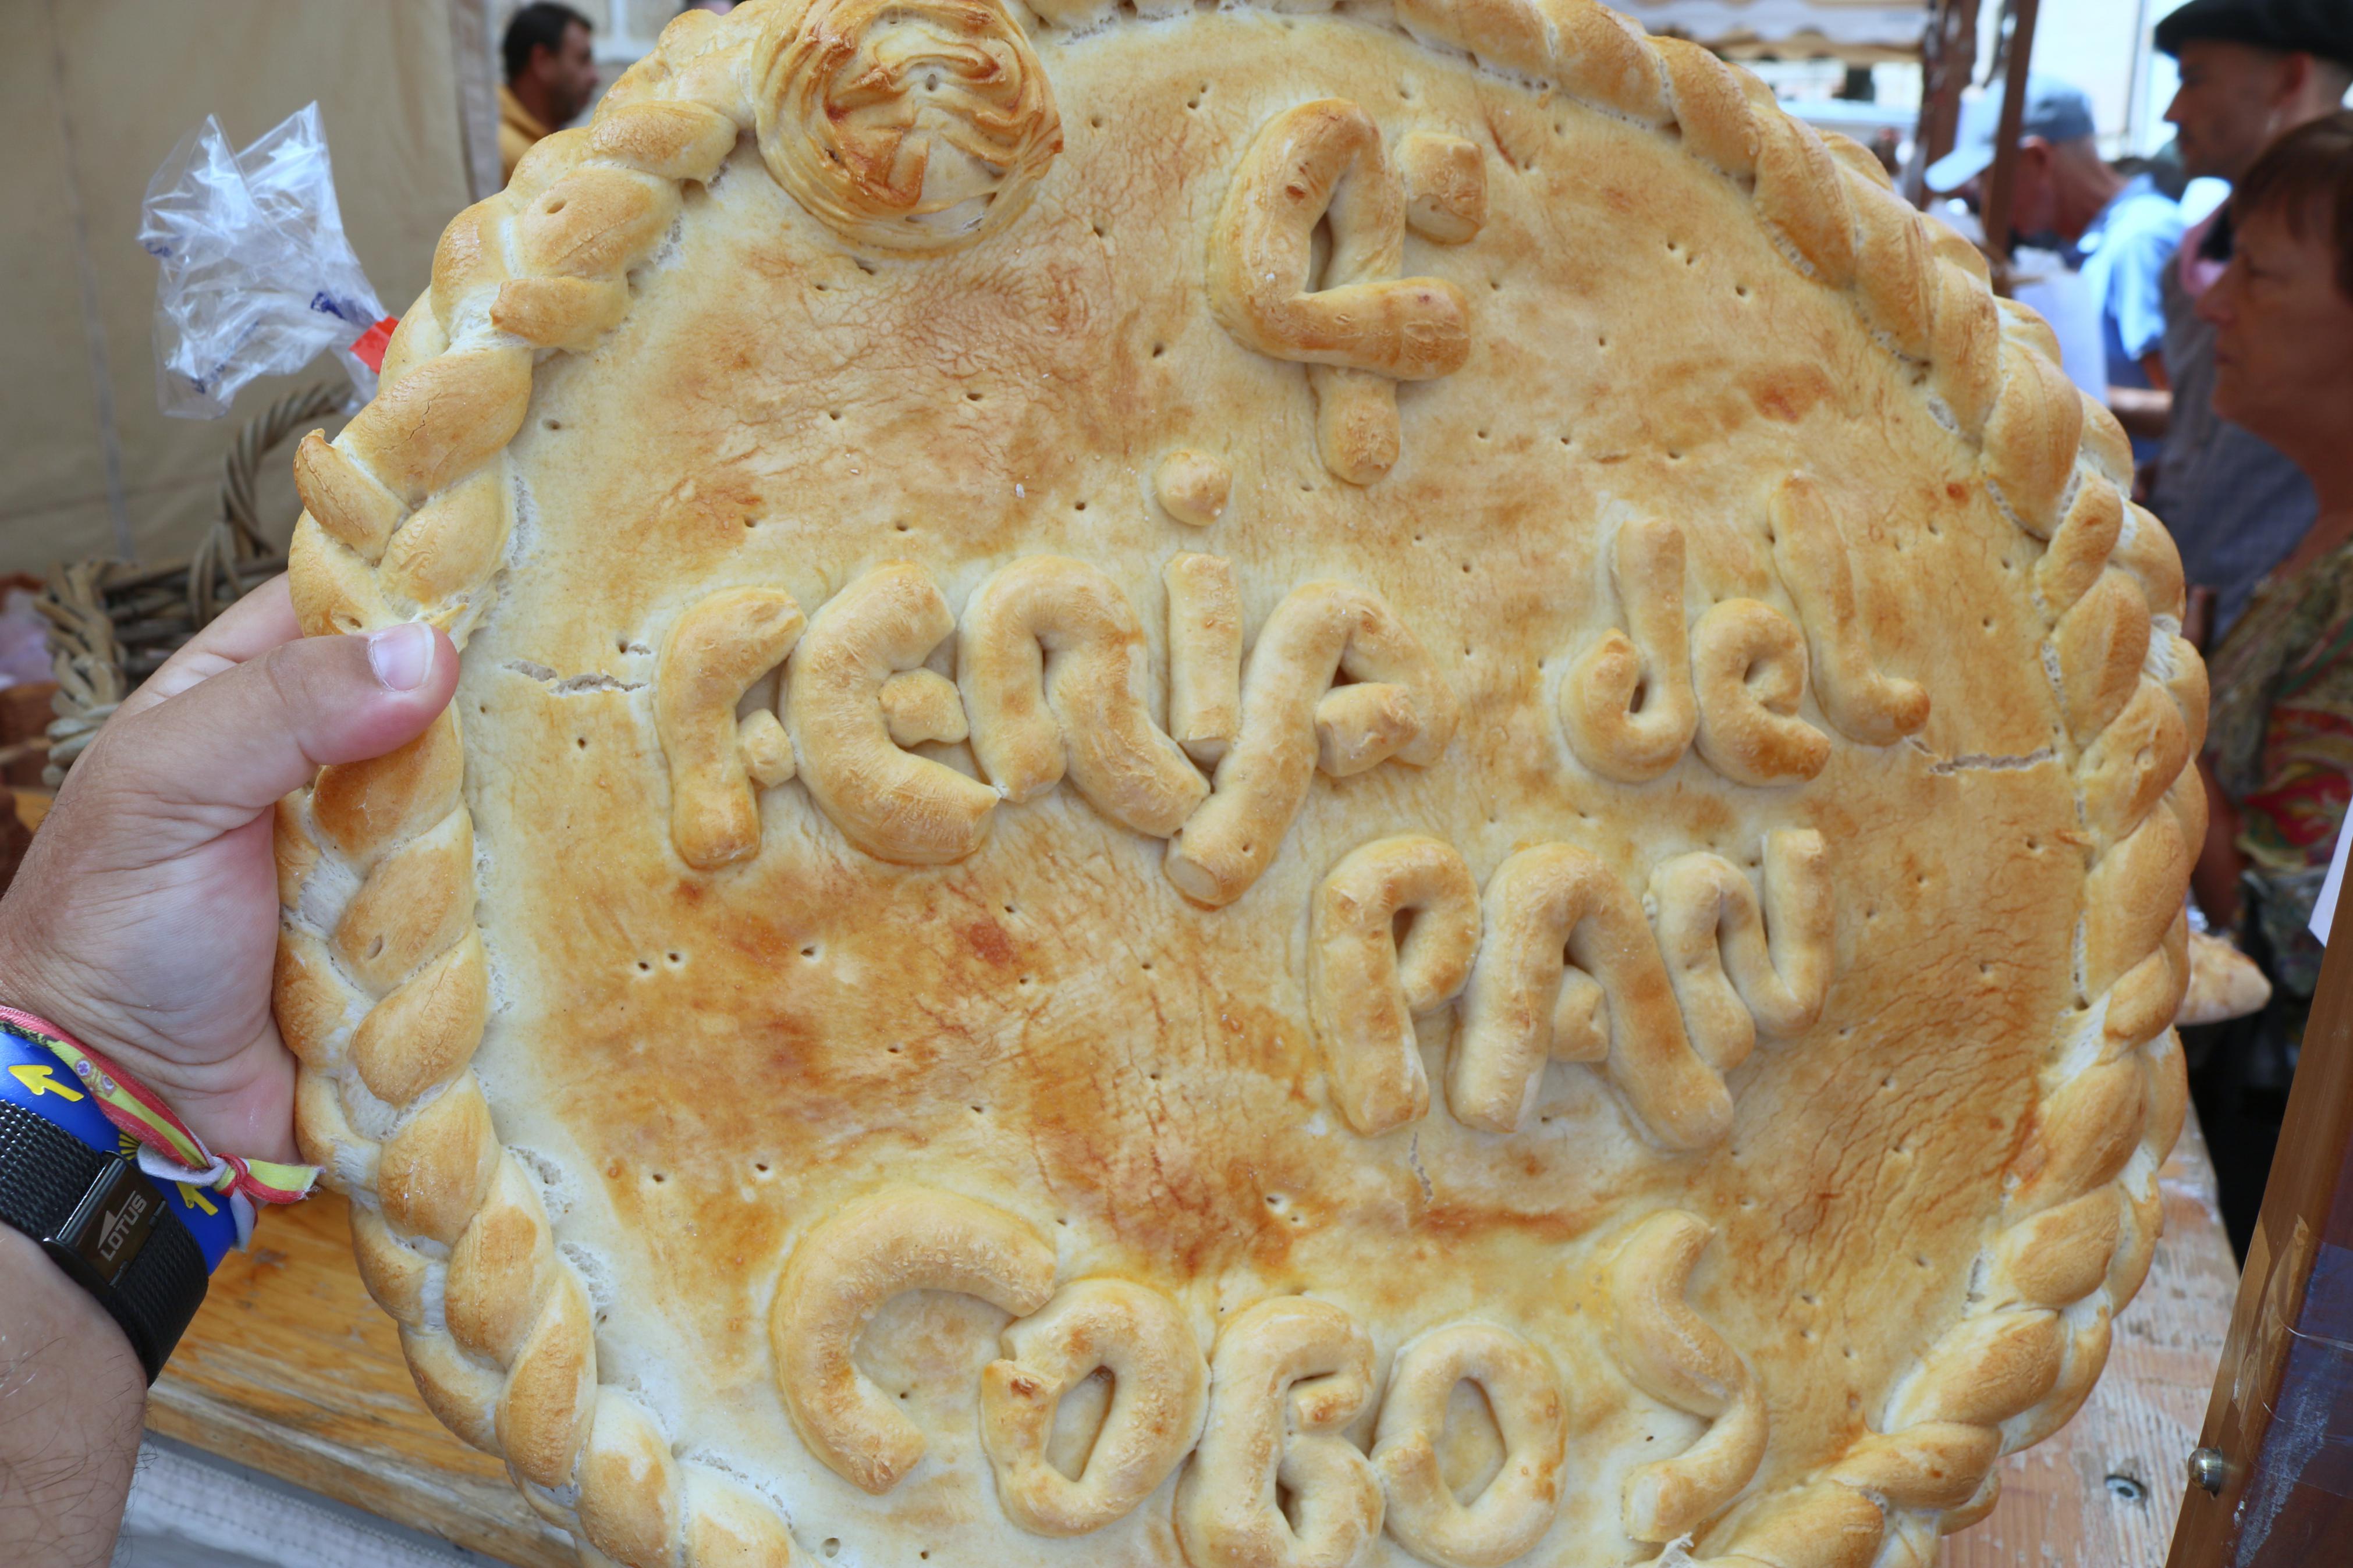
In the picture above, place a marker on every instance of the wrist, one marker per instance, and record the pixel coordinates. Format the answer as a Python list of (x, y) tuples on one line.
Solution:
[(38, 978), (52, 1322), (71, 1183), (221, 1071)]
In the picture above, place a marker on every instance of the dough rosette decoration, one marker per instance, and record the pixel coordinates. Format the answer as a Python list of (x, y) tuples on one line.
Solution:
[(909, 124)]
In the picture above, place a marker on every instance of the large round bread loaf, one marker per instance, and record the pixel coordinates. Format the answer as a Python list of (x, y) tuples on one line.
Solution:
[(1256, 787)]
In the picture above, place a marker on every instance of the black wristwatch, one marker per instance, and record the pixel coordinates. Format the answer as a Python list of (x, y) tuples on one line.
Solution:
[(108, 1225)]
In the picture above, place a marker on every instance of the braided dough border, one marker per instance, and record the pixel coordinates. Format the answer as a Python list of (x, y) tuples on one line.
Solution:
[(383, 990)]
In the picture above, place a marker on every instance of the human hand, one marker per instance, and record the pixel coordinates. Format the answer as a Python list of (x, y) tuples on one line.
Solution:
[(144, 920)]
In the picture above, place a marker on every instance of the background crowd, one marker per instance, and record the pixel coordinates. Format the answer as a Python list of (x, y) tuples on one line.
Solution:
[(2227, 349)]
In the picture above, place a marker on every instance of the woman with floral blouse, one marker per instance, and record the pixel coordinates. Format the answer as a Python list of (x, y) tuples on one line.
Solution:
[(2279, 749)]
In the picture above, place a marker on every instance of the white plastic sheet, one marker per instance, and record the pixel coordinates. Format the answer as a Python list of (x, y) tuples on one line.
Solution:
[(192, 1509), (2323, 908), (257, 275)]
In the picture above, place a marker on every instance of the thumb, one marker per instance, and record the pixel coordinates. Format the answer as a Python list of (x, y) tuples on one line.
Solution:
[(225, 749)]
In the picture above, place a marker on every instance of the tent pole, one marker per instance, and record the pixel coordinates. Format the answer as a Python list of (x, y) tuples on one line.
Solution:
[(2001, 185), (1948, 59)]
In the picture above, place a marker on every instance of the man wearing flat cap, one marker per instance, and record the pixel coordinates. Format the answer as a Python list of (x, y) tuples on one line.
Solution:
[(2252, 70)]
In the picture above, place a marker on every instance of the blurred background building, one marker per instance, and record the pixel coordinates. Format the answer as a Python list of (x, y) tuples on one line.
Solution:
[(95, 94)]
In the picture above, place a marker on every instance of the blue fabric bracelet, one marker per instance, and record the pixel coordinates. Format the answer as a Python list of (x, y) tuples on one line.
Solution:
[(32, 1078)]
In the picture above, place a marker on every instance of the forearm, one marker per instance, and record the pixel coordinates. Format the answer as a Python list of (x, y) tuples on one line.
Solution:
[(2214, 877), (71, 1397)]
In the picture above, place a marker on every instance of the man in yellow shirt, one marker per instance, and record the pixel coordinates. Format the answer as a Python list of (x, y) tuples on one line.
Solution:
[(550, 77)]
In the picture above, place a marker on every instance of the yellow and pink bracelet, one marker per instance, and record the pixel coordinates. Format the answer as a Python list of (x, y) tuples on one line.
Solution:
[(168, 1151)]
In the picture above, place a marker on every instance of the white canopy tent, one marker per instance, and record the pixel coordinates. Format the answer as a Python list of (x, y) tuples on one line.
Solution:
[(1940, 35), (1857, 30)]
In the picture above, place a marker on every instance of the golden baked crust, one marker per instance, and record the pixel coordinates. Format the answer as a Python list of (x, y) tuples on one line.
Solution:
[(1405, 725), (2224, 983)]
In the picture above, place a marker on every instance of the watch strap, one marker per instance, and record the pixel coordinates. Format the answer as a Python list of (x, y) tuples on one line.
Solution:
[(107, 1225)]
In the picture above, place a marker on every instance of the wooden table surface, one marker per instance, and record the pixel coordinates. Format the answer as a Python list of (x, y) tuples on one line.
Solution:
[(291, 1370)]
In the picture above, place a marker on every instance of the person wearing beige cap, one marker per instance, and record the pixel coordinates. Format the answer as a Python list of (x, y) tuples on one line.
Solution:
[(2118, 233)]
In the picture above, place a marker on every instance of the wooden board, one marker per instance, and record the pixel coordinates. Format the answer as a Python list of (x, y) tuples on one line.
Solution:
[(2285, 1400), (291, 1369)]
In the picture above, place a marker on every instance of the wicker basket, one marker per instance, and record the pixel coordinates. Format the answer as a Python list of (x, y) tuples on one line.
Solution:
[(113, 624)]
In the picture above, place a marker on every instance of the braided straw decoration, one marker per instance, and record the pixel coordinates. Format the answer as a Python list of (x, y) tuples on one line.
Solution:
[(235, 554), (86, 602), (87, 659), (382, 982)]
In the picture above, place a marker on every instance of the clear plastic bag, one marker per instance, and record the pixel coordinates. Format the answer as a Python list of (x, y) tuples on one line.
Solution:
[(257, 275)]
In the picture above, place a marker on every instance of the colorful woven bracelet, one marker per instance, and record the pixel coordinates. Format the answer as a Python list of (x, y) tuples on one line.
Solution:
[(167, 1150)]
